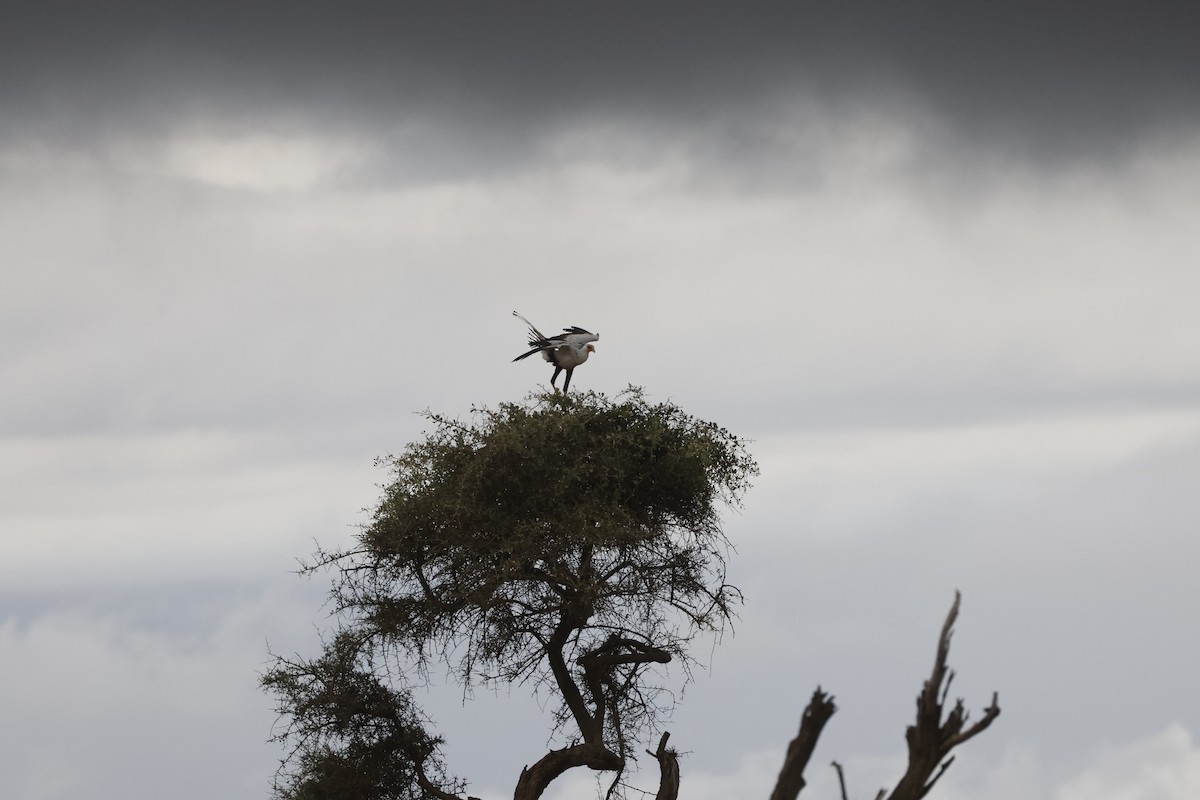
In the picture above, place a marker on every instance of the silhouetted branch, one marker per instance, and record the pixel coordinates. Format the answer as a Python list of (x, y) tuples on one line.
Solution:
[(842, 784), (534, 779), (841, 779), (668, 770), (800, 750), (931, 739), (432, 789)]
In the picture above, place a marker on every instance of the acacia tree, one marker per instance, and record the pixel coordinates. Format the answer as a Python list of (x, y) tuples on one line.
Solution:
[(569, 543), (572, 543)]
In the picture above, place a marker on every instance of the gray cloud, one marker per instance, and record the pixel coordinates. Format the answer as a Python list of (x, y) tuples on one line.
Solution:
[(1060, 80)]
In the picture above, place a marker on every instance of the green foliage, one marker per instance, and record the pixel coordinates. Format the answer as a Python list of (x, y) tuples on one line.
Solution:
[(574, 542), (486, 529), (354, 737)]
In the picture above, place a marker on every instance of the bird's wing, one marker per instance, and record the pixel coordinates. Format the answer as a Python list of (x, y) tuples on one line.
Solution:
[(574, 337), (580, 337)]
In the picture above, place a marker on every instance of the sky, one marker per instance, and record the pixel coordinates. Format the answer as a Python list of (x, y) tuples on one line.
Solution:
[(938, 262)]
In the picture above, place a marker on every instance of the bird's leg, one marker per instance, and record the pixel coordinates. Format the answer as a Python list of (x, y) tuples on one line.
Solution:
[(567, 382), (558, 369)]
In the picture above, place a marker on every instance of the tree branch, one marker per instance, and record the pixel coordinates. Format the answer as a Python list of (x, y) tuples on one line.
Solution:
[(535, 779), (572, 697), (800, 750), (841, 779), (598, 665), (429, 787), (930, 740), (668, 770)]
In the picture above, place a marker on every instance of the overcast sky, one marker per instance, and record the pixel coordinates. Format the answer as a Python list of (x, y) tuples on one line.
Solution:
[(940, 263)]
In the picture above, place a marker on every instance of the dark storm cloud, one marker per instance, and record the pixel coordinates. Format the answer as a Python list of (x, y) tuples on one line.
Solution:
[(1030, 77)]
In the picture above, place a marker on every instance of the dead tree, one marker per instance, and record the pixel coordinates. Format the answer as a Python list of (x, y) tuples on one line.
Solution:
[(930, 739)]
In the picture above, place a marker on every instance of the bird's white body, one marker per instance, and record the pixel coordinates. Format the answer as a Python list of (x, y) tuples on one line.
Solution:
[(570, 354), (566, 351)]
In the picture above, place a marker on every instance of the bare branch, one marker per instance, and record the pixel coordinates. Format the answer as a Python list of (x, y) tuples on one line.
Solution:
[(941, 771), (841, 779), (800, 750), (668, 769), (931, 738), (536, 778), (430, 788)]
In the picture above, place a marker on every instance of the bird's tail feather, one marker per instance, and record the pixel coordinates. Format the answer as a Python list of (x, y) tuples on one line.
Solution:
[(537, 349), (537, 339)]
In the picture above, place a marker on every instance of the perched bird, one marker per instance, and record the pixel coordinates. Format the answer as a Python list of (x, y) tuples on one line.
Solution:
[(566, 351)]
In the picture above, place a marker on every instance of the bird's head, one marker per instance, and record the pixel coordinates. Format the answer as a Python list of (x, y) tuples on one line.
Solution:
[(591, 348)]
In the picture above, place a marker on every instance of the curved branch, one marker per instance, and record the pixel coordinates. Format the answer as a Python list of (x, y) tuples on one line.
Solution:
[(591, 732), (429, 787), (535, 779)]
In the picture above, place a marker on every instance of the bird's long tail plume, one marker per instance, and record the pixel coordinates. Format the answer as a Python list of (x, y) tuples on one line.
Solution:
[(537, 339), (535, 333)]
